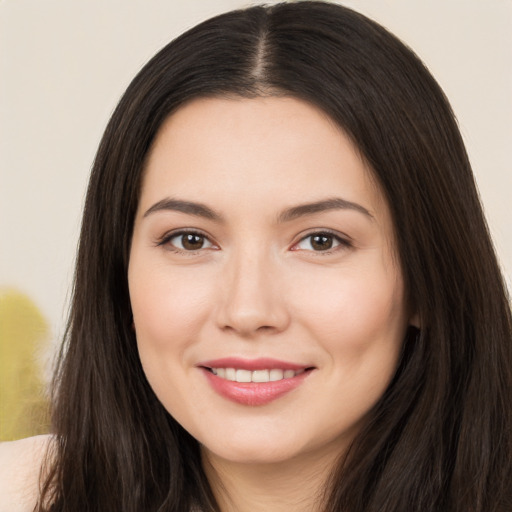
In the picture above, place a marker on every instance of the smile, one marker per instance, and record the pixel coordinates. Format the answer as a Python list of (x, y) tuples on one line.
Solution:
[(268, 375), (253, 382)]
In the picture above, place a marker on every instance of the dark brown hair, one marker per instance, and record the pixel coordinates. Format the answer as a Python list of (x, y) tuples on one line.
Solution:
[(440, 437)]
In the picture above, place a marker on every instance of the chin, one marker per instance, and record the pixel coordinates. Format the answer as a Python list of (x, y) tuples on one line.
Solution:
[(252, 455), (244, 449)]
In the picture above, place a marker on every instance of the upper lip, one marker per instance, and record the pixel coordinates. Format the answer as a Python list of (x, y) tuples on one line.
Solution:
[(262, 363)]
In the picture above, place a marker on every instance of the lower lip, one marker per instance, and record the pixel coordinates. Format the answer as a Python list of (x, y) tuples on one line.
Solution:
[(254, 393)]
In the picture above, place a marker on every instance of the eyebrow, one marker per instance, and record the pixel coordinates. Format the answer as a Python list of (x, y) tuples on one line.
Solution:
[(201, 210), (192, 208), (334, 203)]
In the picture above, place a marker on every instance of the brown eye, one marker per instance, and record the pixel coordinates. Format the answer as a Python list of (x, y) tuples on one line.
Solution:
[(322, 242), (190, 241)]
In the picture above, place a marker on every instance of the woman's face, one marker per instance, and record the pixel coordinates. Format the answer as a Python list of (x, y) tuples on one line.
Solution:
[(267, 300)]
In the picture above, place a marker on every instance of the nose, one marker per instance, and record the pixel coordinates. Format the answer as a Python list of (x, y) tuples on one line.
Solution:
[(253, 298)]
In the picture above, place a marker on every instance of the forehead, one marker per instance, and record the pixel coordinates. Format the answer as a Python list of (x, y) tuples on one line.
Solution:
[(270, 151)]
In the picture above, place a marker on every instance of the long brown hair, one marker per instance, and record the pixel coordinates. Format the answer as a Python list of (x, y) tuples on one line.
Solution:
[(440, 437)]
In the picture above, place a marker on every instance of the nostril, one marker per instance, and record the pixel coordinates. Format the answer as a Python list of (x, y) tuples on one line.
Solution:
[(266, 328)]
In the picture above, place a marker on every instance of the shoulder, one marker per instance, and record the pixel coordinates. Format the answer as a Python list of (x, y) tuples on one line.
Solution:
[(20, 466)]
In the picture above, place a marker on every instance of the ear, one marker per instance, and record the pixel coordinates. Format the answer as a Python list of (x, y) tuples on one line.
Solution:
[(415, 321)]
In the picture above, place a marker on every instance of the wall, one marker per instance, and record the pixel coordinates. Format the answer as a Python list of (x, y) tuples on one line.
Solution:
[(63, 66)]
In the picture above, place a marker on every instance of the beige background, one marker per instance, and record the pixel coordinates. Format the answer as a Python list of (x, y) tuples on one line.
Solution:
[(64, 64)]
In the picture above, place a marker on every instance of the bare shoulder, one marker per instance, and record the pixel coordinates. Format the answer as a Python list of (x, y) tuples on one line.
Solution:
[(20, 466)]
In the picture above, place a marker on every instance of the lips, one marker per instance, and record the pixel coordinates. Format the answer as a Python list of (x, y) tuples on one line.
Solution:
[(253, 382)]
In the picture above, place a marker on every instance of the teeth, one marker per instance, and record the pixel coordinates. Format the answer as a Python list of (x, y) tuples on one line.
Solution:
[(260, 376), (255, 376), (243, 376), (276, 375)]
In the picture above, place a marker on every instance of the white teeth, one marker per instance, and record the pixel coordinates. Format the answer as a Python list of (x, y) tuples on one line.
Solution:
[(255, 376), (276, 375), (243, 376), (260, 376), (230, 374)]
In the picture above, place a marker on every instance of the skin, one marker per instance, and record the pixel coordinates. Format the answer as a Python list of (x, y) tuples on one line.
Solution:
[(258, 287)]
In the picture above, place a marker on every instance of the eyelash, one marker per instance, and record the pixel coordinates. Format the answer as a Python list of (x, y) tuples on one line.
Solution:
[(343, 242), (165, 241)]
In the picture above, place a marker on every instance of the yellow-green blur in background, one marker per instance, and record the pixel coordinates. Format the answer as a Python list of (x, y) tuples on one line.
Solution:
[(24, 336)]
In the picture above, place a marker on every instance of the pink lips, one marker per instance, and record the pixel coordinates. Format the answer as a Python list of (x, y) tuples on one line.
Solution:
[(253, 393)]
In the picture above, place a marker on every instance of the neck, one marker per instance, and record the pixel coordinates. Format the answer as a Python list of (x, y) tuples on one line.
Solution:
[(297, 484)]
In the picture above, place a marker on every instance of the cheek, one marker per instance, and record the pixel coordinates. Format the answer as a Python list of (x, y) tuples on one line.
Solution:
[(354, 310), (168, 308), (359, 321)]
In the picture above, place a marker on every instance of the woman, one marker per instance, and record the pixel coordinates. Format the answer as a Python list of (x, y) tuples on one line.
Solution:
[(286, 297)]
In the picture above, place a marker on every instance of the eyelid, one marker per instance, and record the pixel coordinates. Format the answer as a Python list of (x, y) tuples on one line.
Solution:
[(345, 242), (168, 236)]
